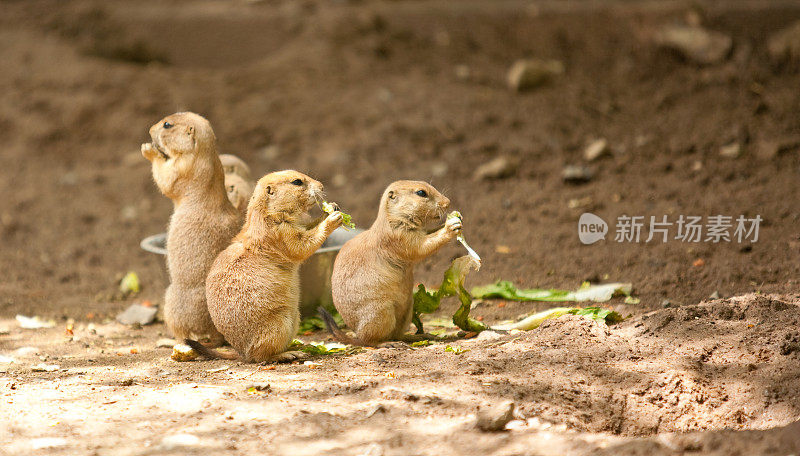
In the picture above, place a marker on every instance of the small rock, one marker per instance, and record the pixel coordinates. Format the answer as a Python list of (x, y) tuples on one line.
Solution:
[(137, 314), (666, 303), (577, 203), (166, 343), (45, 367), (182, 353), (714, 295), (499, 168), (127, 382), (495, 418), (697, 165), (732, 150), (596, 149), (574, 174), (696, 43), (175, 441), (784, 45), (533, 73)]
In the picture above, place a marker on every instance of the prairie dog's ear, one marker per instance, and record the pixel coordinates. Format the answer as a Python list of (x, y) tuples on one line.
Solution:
[(391, 195), (270, 190)]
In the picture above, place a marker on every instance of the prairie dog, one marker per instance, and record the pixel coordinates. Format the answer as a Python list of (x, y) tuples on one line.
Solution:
[(187, 170), (253, 287), (239, 191), (373, 275), (232, 164)]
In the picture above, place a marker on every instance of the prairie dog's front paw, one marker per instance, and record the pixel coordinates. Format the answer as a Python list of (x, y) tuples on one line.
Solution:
[(333, 221), (453, 225)]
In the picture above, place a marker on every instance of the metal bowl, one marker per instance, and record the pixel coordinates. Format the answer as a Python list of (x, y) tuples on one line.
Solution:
[(315, 273)]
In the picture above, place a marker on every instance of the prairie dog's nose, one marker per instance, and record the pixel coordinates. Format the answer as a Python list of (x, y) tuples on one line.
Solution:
[(444, 203)]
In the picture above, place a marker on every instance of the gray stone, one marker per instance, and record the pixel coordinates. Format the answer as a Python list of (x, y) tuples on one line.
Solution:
[(137, 314)]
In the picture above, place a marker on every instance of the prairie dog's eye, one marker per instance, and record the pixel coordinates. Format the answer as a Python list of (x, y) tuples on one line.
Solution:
[(422, 193), (167, 125), (297, 182)]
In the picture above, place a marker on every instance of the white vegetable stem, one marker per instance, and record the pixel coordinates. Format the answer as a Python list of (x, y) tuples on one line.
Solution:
[(462, 240)]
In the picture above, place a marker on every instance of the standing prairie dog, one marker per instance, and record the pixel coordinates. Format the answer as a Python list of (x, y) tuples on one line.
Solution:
[(232, 164), (187, 170), (253, 287), (373, 275), (238, 183)]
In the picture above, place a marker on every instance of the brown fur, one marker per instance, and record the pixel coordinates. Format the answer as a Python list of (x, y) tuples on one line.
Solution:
[(253, 287), (187, 169), (373, 275)]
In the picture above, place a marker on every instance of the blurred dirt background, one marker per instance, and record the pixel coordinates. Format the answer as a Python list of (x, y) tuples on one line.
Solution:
[(361, 93)]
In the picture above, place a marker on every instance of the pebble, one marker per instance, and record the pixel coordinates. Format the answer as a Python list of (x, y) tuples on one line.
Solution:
[(576, 174), (45, 367), (137, 314), (498, 168), (696, 43), (733, 150), (784, 45), (494, 418), (715, 295), (596, 149), (530, 74)]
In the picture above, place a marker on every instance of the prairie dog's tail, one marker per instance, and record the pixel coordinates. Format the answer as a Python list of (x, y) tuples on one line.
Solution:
[(208, 352), (333, 328)]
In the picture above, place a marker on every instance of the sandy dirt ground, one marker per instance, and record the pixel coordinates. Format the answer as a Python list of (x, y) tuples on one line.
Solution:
[(360, 93), (715, 378)]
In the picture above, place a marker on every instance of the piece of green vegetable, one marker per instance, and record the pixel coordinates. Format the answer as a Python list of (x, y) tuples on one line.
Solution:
[(596, 293), (533, 321), (315, 323), (347, 220), (455, 349), (452, 285), (317, 349), (129, 284)]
